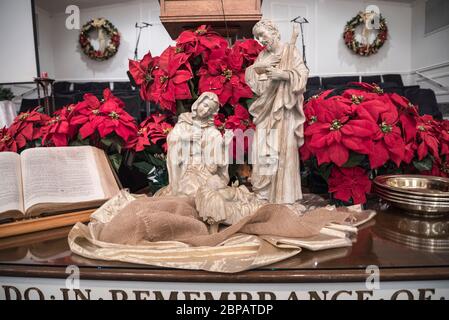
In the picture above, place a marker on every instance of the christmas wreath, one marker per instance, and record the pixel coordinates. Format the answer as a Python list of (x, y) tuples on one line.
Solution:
[(108, 37), (360, 48)]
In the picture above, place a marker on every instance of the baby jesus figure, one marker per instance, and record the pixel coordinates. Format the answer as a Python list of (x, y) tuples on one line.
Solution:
[(217, 203)]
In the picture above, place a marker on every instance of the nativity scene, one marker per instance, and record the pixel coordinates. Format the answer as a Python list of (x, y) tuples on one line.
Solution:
[(212, 147)]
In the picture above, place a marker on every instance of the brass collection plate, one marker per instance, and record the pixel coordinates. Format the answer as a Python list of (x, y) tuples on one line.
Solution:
[(415, 194)]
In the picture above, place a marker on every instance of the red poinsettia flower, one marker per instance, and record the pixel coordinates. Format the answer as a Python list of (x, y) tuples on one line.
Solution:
[(408, 113), (219, 121), (249, 49), (56, 132), (367, 87), (311, 110), (409, 151), (108, 97), (116, 119), (442, 129), (142, 73), (26, 127), (87, 116), (200, 41), (334, 133), (7, 143), (224, 75), (154, 130), (171, 79), (239, 120), (427, 137), (349, 183), (388, 143), (140, 140)]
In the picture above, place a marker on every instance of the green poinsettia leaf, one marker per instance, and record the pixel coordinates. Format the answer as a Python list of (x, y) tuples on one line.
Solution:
[(116, 161), (325, 170), (144, 167), (79, 142), (425, 164), (355, 160), (156, 161), (107, 141), (113, 142)]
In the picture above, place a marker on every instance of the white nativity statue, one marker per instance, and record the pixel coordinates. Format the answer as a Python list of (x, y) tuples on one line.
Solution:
[(196, 149), (197, 157), (278, 78), (197, 161)]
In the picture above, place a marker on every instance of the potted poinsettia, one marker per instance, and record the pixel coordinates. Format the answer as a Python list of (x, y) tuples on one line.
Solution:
[(200, 61), (355, 133), (101, 123)]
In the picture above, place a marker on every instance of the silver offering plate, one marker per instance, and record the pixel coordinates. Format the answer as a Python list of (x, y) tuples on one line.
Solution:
[(415, 194)]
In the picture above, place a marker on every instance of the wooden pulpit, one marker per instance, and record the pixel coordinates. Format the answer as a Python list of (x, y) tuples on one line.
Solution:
[(231, 18)]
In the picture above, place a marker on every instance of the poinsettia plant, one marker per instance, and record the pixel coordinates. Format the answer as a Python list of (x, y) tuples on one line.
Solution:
[(200, 61), (102, 123), (355, 133)]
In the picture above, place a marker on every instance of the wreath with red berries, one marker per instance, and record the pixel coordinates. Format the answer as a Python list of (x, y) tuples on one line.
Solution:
[(359, 47), (105, 30)]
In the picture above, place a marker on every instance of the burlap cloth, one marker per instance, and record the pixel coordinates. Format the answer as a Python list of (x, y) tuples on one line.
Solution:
[(167, 232)]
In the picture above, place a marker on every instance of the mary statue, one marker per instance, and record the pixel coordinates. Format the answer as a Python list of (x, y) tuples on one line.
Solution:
[(196, 149), (278, 78)]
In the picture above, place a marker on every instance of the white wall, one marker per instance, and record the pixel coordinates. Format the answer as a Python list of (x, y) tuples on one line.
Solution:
[(17, 52), (71, 64), (45, 41), (326, 51), (406, 50), (430, 52)]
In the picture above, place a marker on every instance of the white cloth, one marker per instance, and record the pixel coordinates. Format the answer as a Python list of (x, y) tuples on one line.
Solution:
[(8, 111)]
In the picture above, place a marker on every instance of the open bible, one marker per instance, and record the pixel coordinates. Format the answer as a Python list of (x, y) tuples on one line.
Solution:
[(45, 181)]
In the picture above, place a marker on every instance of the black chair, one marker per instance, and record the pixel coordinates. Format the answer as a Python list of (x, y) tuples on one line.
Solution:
[(132, 105), (313, 87), (393, 78), (314, 82), (82, 86), (28, 104), (61, 87), (122, 86), (426, 101), (372, 79), (100, 86), (334, 82), (391, 87), (92, 87), (62, 100)]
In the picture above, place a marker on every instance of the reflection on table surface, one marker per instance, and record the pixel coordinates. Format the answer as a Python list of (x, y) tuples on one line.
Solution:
[(391, 239)]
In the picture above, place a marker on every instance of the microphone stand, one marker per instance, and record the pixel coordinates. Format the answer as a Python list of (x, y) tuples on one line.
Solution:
[(140, 27), (136, 57), (301, 20)]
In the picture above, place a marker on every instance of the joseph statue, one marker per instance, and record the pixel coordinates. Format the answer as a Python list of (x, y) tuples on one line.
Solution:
[(278, 78)]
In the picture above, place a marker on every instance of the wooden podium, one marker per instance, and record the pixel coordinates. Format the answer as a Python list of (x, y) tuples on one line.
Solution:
[(39, 263), (235, 18)]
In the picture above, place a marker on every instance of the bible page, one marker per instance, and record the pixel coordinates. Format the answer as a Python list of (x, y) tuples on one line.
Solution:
[(60, 175), (11, 198)]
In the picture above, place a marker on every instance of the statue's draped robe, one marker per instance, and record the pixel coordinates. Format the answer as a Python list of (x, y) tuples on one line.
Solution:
[(279, 106), (189, 163)]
